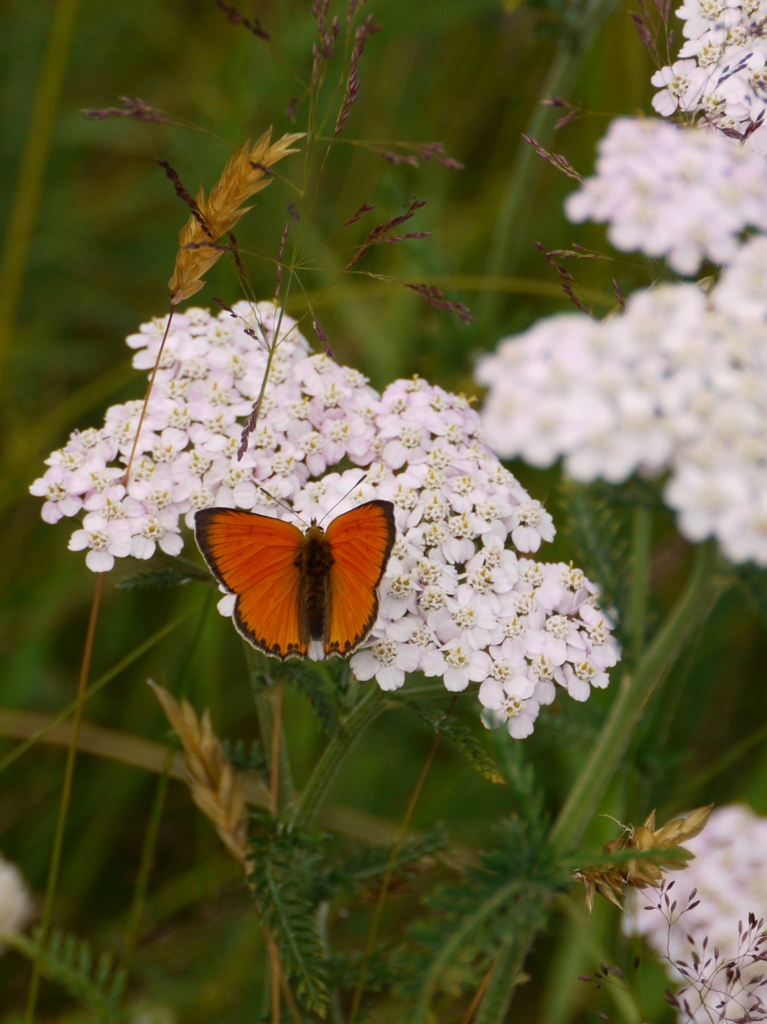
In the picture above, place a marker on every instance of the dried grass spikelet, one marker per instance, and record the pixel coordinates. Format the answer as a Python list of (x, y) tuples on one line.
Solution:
[(612, 880), (215, 788), (244, 176)]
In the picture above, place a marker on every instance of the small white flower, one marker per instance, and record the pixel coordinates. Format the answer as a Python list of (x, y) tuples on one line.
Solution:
[(106, 540), (510, 703), (400, 593), (457, 664), (387, 661), (532, 524), (58, 486), (681, 87), (581, 676), (469, 616), (153, 531)]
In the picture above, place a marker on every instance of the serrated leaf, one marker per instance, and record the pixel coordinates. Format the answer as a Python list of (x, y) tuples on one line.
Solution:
[(451, 951), (634, 492), (318, 686), (754, 582), (244, 758), (344, 971), (367, 865), (166, 576), (280, 882), (68, 961), (463, 739), (600, 544), (521, 778)]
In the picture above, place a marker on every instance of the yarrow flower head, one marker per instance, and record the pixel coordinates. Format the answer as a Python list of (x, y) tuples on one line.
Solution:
[(676, 384), (721, 74), (718, 900), (685, 194), (460, 598)]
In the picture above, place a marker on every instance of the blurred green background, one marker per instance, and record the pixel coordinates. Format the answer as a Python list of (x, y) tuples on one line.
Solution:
[(470, 74)]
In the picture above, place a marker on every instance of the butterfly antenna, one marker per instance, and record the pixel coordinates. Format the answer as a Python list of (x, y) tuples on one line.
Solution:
[(343, 497), (287, 508)]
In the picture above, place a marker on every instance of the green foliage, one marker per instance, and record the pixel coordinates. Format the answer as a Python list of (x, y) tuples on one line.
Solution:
[(633, 493), (167, 576), (70, 962), (326, 685), (367, 866), (452, 949), (248, 758), (753, 581), (383, 971), (462, 738), (520, 775), (283, 865), (599, 543), (472, 74)]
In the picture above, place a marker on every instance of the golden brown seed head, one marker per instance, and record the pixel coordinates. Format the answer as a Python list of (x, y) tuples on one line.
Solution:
[(243, 177)]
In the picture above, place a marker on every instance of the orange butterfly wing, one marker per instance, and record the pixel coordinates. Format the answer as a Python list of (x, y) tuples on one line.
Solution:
[(361, 541), (254, 557)]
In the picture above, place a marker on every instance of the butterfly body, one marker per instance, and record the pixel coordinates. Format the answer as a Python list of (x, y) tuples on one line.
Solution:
[(314, 562), (299, 591)]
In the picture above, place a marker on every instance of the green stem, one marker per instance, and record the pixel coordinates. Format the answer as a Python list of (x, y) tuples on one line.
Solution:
[(147, 858), (375, 924), (366, 711), (641, 540), (29, 183), (335, 1014), (275, 749), (66, 795), (508, 965), (585, 933), (688, 614), (516, 205), (457, 939), (693, 606), (265, 701)]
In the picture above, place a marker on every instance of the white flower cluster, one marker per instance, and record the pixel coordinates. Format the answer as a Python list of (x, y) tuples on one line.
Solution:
[(456, 601), (685, 194), (15, 901), (721, 73), (676, 382), (728, 874)]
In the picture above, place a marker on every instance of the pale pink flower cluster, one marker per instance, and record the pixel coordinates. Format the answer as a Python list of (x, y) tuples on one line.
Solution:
[(15, 900), (728, 874), (720, 75), (677, 382), (460, 599), (685, 194)]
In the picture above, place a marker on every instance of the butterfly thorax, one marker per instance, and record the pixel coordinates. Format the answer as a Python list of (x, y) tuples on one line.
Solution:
[(315, 559)]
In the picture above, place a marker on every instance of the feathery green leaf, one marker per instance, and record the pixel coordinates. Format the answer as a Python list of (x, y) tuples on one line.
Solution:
[(284, 861), (462, 738), (69, 961)]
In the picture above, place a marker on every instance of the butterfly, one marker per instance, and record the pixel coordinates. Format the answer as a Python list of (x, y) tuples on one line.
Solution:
[(293, 588)]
